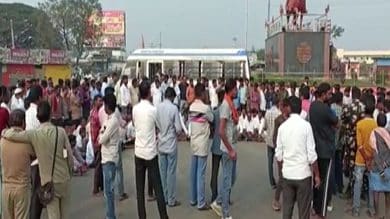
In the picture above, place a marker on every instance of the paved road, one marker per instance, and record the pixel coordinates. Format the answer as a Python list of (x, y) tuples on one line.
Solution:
[(251, 195)]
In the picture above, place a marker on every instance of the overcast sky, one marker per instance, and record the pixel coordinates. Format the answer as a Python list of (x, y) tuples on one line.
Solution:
[(214, 23)]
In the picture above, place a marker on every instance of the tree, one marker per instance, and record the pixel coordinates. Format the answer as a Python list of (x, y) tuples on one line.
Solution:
[(337, 31), (260, 54), (72, 18), (32, 28), (253, 49)]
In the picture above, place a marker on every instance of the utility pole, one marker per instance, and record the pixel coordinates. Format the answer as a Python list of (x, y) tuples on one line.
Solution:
[(12, 34), (246, 25), (269, 11)]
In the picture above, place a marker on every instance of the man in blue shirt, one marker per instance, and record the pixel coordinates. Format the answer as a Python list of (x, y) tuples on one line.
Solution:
[(169, 126), (216, 150)]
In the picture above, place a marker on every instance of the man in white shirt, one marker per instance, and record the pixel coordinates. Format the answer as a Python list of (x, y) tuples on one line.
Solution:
[(257, 123), (242, 124), (146, 159), (263, 102), (347, 99), (251, 128), (175, 86), (134, 92), (31, 116), (387, 111), (156, 93), (109, 138), (130, 132), (32, 122), (164, 83), (125, 96), (297, 157), (17, 101), (103, 117), (213, 94), (104, 86)]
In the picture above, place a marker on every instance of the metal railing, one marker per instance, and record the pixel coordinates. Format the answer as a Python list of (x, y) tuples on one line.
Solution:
[(311, 23), (381, 78)]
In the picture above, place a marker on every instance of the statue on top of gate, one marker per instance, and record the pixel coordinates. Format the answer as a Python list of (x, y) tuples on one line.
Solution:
[(296, 9)]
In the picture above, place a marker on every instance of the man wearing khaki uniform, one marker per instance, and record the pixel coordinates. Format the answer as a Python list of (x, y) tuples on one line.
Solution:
[(43, 142), (15, 161)]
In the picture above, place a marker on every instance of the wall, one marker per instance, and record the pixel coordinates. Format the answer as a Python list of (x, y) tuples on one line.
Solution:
[(57, 72), (272, 56), (15, 72)]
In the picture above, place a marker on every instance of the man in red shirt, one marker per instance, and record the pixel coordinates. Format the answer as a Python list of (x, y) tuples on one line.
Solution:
[(4, 116), (95, 127)]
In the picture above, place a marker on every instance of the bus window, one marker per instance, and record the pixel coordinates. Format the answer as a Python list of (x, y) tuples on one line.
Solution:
[(154, 69), (212, 70), (233, 69), (192, 69), (172, 67)]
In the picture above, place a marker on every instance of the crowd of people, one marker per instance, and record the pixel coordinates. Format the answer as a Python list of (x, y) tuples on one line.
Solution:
[(334, 139)]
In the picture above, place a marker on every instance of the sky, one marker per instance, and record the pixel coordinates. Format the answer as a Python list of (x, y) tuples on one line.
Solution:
[(214, 23)]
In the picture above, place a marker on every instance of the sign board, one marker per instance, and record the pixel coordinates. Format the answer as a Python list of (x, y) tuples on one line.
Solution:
[(34, 56), (113, 27)]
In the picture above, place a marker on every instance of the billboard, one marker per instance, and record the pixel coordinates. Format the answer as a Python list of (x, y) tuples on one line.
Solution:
[(34, 56), (113, 29), (304, 52)]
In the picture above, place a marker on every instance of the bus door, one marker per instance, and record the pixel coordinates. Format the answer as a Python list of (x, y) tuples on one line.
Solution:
[(154, 69)]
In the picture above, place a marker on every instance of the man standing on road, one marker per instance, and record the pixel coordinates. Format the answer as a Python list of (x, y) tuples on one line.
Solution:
[(169, 126), (95, 128), (16, 173), (34, 97), (134, 92), (227, 131), (216, 153), (296, 155), (200, 117), (323, 121), (364, 155), (146, 159), (125, 96), (270, 117), (109, 139), (49, 140), (183, 92), (285, 110)]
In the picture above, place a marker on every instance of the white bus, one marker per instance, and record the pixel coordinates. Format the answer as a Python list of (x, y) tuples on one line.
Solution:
[(192, 63)]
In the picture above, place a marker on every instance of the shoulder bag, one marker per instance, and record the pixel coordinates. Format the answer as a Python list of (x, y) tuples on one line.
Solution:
[(46, 192)]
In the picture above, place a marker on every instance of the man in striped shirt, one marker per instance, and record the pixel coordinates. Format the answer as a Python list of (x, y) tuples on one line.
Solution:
[(200, 117)]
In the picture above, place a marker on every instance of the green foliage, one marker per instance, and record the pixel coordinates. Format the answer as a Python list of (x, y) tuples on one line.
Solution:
[(32, 28), (260, 54), (337, 31), (72, 19)]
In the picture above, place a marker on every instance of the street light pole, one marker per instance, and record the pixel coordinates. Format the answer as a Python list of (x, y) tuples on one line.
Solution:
[(269, 11), (246, 25), (12, 34)]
